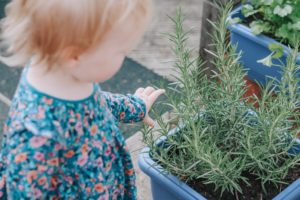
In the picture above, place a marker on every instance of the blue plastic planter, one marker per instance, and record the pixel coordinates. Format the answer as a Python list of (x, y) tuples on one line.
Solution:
[(167, 187), (254, 48), (296, 148)]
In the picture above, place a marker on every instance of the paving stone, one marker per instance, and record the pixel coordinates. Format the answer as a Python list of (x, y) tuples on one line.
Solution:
[(9, 78), (3, 115), (2, 5), (131, 76)]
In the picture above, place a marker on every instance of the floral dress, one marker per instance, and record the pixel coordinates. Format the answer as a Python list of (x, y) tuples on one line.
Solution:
[(58, 149)]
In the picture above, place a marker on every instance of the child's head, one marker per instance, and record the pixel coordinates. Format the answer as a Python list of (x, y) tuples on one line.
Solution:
[(77, 32)]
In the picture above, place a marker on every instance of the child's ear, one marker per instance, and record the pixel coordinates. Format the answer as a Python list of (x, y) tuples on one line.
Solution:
[(70, 56), (70, 53)]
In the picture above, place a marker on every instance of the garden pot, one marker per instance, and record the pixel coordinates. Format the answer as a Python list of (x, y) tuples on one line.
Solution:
[(252, 89), (296, 148), (168, 187), (254, 48)]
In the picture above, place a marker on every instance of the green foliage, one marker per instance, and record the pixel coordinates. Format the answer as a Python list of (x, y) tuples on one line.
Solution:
[(280, 18), (221, 134)]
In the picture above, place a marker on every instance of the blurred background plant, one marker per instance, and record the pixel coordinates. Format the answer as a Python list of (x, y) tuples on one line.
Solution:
[(280, 18)]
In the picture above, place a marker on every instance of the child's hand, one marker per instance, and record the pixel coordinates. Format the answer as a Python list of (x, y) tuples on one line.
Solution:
[(149, 96)]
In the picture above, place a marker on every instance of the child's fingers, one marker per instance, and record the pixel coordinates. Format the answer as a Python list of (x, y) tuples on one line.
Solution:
[(154, 95), (139, 91), (149, 90), (148, 121)]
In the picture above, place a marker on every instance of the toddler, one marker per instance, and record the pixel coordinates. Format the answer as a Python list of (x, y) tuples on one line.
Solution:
[(61, 140)]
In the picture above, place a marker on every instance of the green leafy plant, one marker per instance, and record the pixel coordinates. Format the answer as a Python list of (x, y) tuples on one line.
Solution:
[(223, 140), (280, 18)]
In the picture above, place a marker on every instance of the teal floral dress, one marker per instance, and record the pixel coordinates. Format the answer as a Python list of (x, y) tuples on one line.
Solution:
[(58, 149)]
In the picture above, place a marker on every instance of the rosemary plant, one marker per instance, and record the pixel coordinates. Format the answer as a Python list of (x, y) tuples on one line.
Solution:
[(222, 136)]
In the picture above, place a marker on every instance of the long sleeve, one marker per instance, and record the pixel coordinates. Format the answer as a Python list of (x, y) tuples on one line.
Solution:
[(33, 164), (126, 108)]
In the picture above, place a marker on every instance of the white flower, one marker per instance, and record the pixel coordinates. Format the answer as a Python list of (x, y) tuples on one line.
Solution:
[(267, 61), (282, 12), (296, 26)]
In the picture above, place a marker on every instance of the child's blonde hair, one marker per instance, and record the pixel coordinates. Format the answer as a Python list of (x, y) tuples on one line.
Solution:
[(47, 28)]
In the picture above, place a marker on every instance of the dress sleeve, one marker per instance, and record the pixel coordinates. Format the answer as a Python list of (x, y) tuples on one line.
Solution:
[(126, 108), (33, 164)]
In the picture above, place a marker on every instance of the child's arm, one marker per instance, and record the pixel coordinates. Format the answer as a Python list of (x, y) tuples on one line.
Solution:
[(32, 167), (133, 108)]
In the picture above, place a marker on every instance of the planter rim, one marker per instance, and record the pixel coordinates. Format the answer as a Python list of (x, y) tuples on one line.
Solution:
[(261, 39), (152, 169), (289, 191)]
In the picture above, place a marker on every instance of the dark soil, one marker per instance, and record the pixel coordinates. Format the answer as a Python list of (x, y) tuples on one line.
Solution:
[(253, 192)]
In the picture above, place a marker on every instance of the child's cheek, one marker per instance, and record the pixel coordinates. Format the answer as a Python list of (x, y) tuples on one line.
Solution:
[(108, 71)]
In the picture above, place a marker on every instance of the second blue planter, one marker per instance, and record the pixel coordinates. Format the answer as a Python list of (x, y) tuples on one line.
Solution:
[(254, 48)]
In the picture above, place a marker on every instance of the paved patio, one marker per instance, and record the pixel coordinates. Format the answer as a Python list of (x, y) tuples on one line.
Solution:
[(155, 53)]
